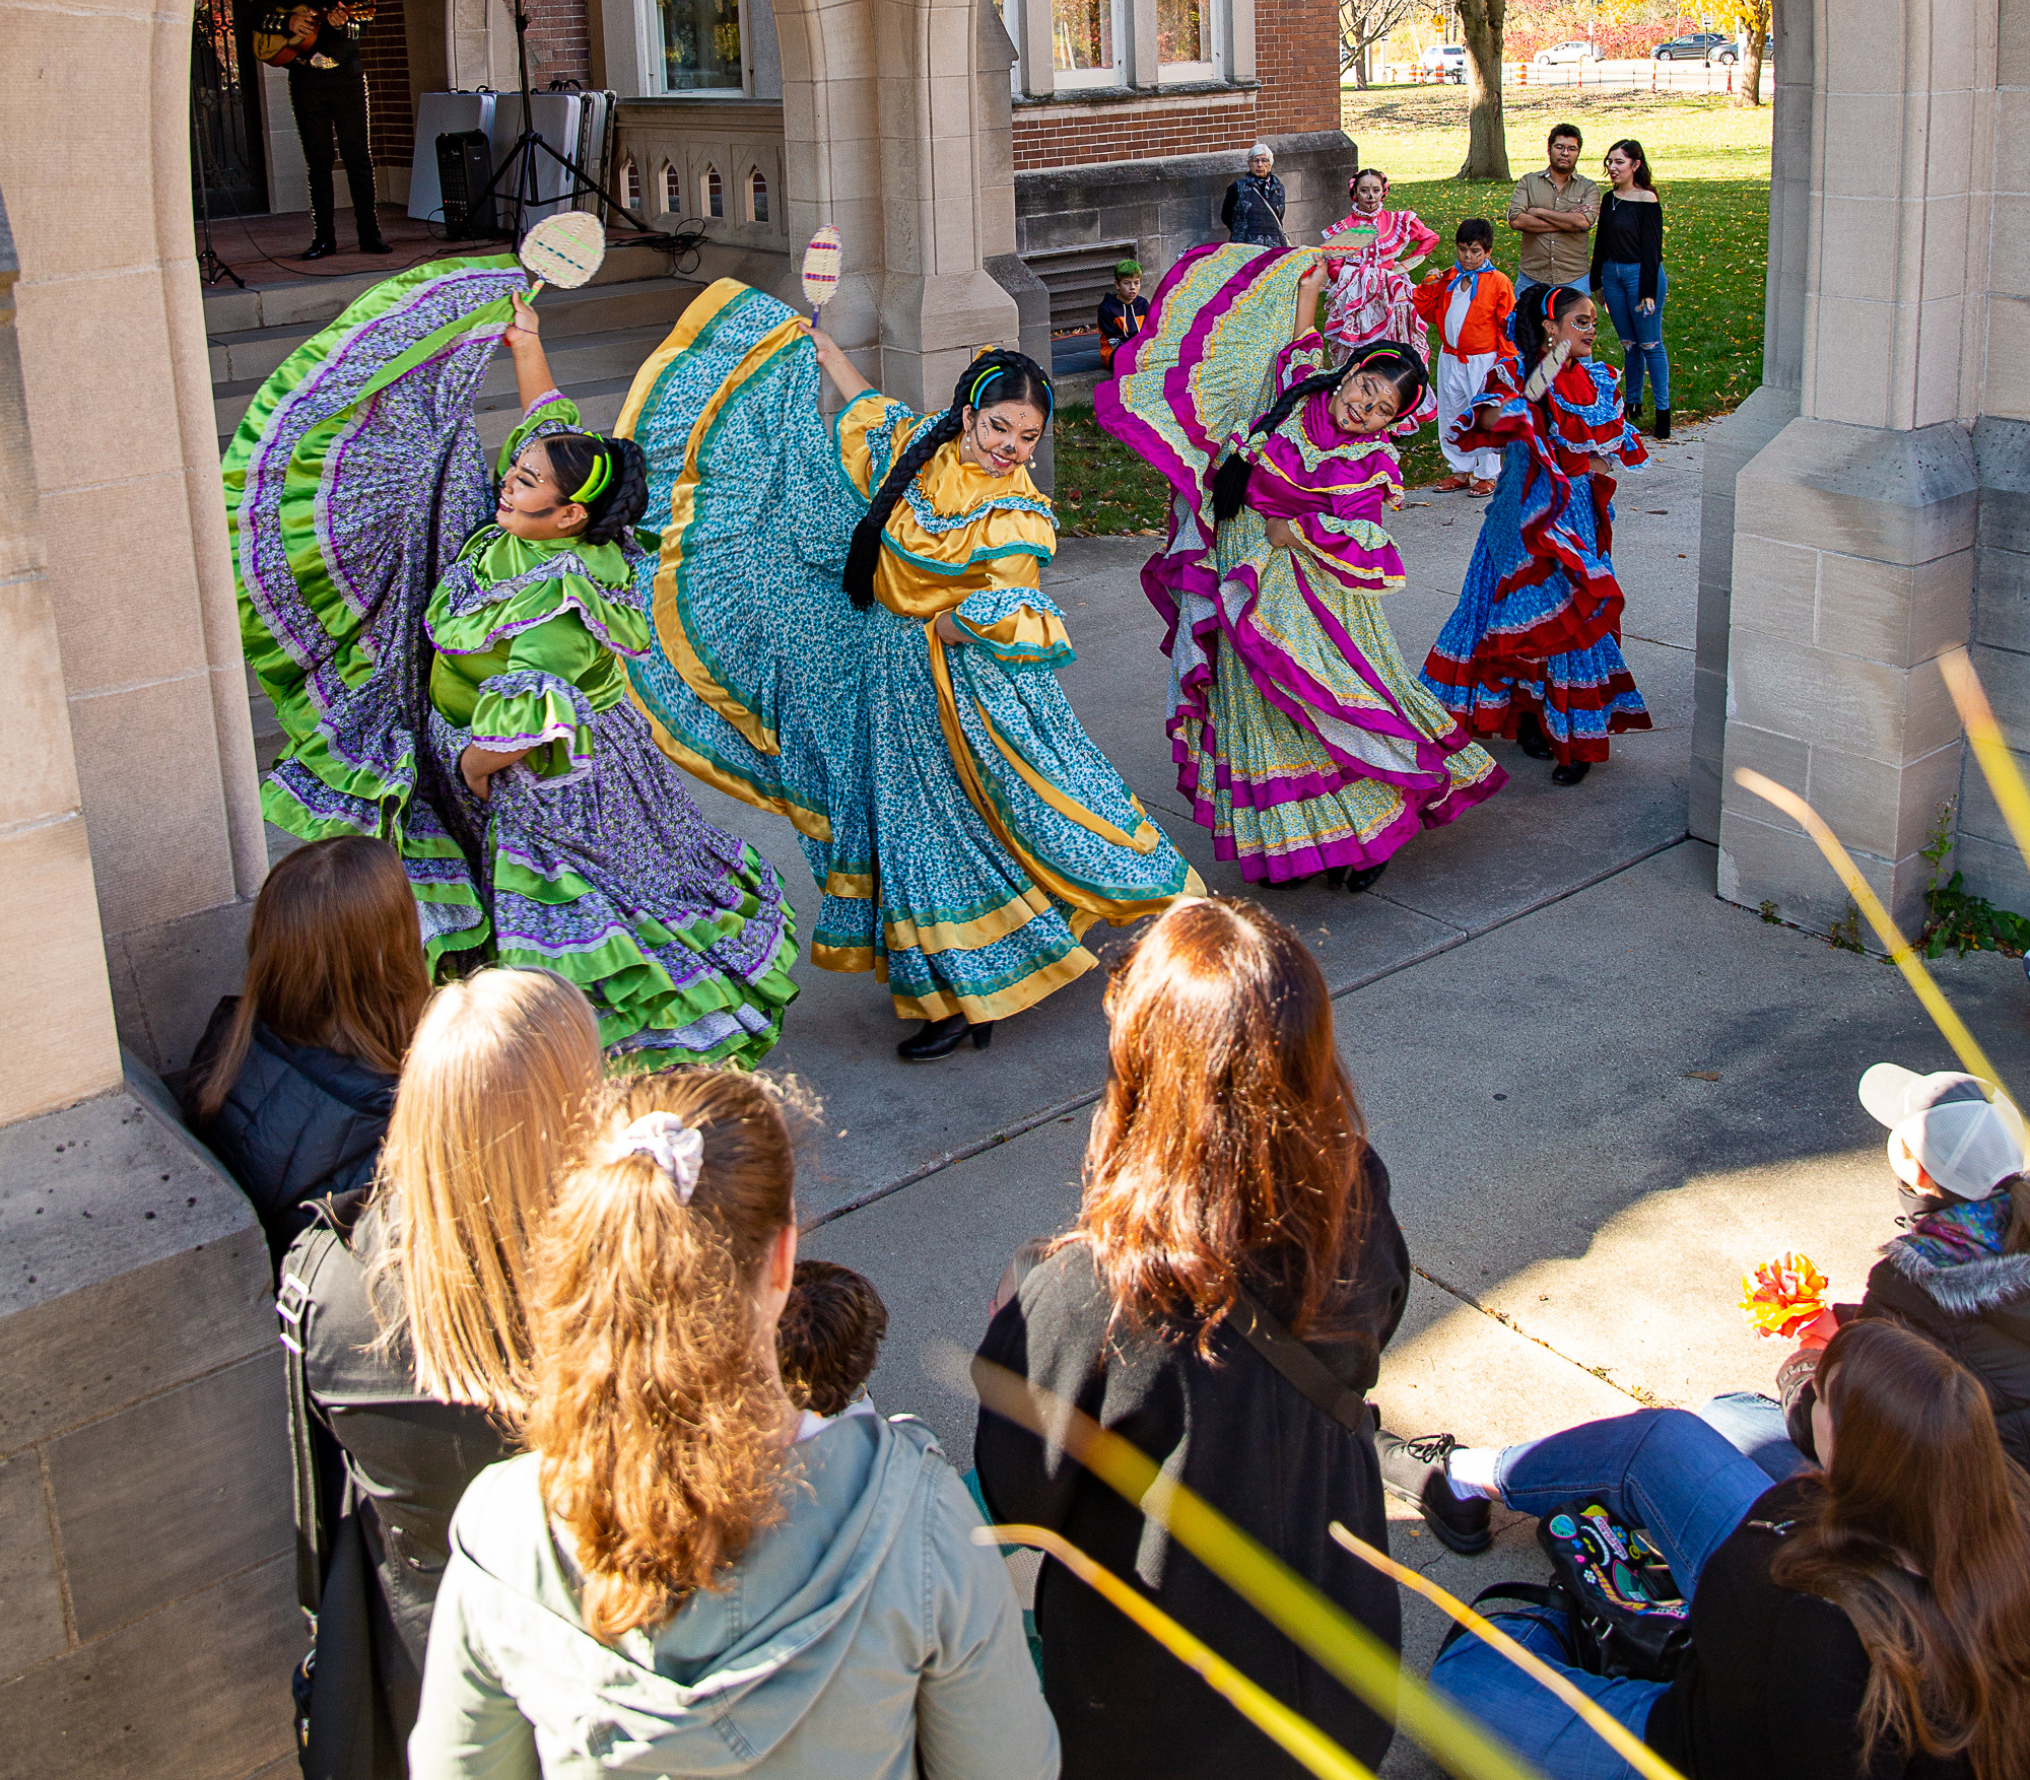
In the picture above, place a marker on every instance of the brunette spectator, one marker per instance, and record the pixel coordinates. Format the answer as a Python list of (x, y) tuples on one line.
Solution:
[(830, 1337), (686, 1575), (1866, 1621), (293, 1080), (1628, 272), (1229, 1187), (1554, 211), (403, 1313), (1253, 211)]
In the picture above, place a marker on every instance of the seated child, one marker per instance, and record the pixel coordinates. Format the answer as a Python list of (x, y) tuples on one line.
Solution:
[(1468, 306), (829, 1338), (1123, 310)]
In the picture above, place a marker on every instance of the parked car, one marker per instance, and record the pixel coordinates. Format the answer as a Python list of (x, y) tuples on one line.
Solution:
[(1698, 46), (1573, 49), (1448, 59)]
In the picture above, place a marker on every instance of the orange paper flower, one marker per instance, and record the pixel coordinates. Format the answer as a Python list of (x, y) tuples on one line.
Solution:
[(1784, 1295)]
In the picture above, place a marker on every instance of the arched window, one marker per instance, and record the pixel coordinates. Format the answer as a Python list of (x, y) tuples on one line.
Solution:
[(670, 188), (712, 193), (757, 196), (630, 184)]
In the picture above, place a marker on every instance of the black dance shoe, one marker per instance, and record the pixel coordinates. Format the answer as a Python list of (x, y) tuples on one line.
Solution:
[(1571, 772), (1365, 879), (1530, 737), (1415, 1470), (374, 244), (939, 1038), (322, 248)]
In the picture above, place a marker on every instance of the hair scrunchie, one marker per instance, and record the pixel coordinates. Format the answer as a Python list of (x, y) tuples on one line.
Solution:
[(672, 1146)]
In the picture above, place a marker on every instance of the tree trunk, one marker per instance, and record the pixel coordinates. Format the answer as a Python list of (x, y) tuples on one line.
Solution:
[(1480, 24), (1751, 69)]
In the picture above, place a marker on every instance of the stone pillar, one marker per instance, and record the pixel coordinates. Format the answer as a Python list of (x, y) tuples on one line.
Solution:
[(1854, 527), (146, 1611), (118, 384), (882, 115)]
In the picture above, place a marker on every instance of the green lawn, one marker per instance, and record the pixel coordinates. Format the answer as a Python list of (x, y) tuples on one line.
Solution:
[(1711, 159)]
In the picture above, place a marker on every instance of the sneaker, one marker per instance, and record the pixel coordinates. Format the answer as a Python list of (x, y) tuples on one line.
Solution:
[(1415, 1470)]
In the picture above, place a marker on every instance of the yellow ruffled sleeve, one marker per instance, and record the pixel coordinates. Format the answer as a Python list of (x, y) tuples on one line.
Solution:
[(873, 432)]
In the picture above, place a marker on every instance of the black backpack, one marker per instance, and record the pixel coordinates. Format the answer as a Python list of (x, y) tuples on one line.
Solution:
[(1628, 1615)]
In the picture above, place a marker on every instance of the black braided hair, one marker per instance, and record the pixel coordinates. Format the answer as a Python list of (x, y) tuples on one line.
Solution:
[(1387, 358), (1014, 378), (1532, 331), (624, 499)]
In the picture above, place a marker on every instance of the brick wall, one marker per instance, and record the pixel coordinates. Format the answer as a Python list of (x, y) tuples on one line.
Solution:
[(560, 42), (391, 120), (1296, 64)]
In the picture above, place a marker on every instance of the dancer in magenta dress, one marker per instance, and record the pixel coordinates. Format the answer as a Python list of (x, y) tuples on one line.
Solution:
[(1303, 741)]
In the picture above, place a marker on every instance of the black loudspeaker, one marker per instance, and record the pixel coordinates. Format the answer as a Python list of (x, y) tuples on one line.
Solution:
[(464, 168)]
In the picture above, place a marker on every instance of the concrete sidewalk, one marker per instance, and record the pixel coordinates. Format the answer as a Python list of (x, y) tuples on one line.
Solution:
[(1602, 1094)]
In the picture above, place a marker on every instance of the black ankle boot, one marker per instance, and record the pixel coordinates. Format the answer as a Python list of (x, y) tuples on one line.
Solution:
[(1571, 772), (939, 1038), (321, 248), (1365, 879), (371, 241), (1663, 423), (1530, 737)]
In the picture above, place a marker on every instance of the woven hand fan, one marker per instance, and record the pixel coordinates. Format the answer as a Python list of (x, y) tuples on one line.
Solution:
[(564, 250), (1350, 239), (821, 268)]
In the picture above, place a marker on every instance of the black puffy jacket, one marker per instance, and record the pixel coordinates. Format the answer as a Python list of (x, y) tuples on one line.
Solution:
[(297, 1124), (1979, 1312)]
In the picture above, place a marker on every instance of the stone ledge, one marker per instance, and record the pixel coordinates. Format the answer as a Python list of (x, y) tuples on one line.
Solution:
[(1897, 497)]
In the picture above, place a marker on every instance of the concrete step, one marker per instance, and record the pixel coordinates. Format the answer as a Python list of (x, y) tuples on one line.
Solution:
[(308, 303)]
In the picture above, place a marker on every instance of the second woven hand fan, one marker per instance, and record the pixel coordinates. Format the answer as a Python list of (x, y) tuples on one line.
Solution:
[(564, 250), (821, 269)]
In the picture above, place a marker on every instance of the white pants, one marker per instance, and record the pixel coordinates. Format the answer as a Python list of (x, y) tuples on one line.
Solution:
[(1459, 381)]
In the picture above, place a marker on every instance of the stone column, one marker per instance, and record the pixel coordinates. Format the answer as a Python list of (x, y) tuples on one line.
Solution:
[(1854, 527), (117, 380)]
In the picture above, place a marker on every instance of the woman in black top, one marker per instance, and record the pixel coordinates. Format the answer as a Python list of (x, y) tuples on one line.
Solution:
[(1253, 211), (1628, 274), (294, 1078), (1870, 1621), (1228, 1169)]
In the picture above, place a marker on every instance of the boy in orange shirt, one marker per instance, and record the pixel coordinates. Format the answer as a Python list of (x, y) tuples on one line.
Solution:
[(1468, 307)]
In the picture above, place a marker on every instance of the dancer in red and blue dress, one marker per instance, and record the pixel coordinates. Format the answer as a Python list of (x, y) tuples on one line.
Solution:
[(1533, 649)]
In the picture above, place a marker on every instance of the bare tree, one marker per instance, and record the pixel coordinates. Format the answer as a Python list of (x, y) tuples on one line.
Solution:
[(1363, 24), (1480, 25)]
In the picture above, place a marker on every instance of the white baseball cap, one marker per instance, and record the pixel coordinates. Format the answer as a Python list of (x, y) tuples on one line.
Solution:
[(1944, 1125)]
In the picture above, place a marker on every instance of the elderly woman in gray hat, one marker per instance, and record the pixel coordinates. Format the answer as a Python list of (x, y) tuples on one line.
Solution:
[(1253, 211)]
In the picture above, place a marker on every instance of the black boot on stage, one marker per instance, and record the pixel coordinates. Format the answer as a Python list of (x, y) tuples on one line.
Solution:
[(323, 247), (1530, 737), (1663, 424), (1571, 772), (1365, 879), (939, 1038), (371, 241)]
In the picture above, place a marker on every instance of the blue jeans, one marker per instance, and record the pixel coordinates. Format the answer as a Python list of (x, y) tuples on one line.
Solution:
[(1755, 1427), (1664, 1470), (1641, 335)]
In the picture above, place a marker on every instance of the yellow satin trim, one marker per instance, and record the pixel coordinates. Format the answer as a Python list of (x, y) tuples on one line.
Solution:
[(966, 936), (676, 643), (848, 960), (1037, 986), (1118, 914), (1144, 840), (814, 823), (854, 886), (1025, 628)]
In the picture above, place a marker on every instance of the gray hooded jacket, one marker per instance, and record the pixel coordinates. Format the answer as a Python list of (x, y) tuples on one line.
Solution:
[(863, 1637)]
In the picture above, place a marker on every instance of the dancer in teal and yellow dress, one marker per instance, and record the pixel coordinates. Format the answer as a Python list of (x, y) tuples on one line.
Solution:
[(446, 658), (850, 632)]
